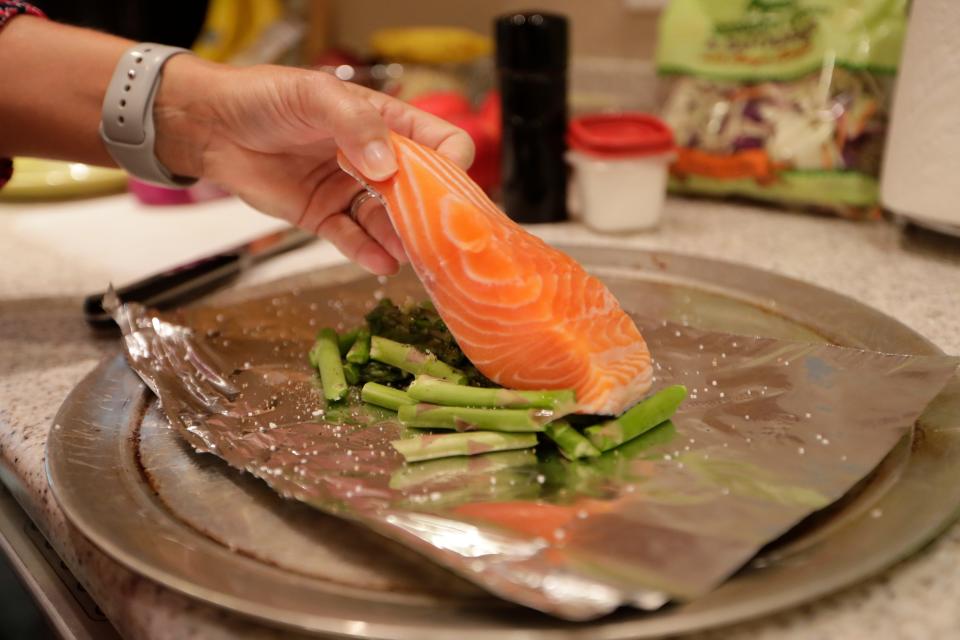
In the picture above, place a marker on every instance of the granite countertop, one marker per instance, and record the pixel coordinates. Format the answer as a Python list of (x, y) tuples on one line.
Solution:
[(53, 254)]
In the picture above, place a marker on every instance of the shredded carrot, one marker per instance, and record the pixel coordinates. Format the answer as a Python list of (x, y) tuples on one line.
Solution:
[(749, 163)]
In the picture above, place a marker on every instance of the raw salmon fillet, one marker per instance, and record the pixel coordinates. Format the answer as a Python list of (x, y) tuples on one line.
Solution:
[(527, 315)]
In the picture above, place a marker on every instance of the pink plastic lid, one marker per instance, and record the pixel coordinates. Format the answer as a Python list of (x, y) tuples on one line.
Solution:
[(620, 135)]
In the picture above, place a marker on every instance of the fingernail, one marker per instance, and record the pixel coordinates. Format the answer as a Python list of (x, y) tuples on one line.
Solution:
[(378, 161)]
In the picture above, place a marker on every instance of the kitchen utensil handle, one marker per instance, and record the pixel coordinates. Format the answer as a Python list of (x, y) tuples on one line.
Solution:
[(173, 287)]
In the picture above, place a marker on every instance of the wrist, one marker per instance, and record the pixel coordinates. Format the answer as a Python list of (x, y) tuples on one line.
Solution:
[(184, 120)]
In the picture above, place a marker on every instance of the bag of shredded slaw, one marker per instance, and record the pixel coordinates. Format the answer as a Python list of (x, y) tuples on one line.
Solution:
[(784, 101)]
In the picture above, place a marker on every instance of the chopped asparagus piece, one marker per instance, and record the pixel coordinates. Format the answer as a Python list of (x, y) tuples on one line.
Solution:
[(327, 354), (436, 391), (313, 356), (384, 396), (641, 418), (429, 447), (571, 443), (345, 340), (351, 372), (412, 360), (452, 469), (469, 419), (359, 353)]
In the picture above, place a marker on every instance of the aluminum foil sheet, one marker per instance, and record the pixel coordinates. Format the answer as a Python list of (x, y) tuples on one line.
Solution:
[(772, 431)]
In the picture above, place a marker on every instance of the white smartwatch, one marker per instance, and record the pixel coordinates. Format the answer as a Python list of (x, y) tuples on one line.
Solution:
[(126, 120)]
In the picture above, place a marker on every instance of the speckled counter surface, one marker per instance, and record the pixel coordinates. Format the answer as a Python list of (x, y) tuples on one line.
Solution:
[(51, 255)]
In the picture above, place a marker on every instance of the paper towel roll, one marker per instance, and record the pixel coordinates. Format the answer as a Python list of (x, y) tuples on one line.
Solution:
[(921, 172)]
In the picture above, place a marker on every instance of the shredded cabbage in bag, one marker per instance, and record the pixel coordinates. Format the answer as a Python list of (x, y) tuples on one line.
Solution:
[(781, 100)]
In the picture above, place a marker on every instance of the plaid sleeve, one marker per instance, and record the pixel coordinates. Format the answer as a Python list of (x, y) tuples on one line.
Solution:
[(8, 11), (12, 8)]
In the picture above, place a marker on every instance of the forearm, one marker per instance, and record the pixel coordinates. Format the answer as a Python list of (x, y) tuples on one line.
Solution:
[(53, 79)]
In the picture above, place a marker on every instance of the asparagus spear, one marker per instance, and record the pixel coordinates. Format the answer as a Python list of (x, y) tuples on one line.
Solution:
[(571, 442), (384, 396), (641, 418), (359, 353), (469, 419), (346, 340), (412, 360), (436, 391), (326, 351), (428, 447), (351, 372), (456, 470), (313, 356)]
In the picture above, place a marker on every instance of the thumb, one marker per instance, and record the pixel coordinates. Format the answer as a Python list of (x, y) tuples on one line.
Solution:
[(357, 128)]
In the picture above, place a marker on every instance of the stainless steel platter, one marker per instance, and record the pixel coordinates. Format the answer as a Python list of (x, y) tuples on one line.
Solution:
[(193, 524)]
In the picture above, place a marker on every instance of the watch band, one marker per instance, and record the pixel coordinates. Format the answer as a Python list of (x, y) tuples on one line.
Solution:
[(126, 120)]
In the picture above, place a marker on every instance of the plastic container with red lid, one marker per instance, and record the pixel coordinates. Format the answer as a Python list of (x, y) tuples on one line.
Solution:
[(620, 166)]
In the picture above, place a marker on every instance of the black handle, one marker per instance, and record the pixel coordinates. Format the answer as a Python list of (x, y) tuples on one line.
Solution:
[(169, 288)]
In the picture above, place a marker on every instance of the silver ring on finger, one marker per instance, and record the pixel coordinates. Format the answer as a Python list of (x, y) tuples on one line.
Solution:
[(357, 202)]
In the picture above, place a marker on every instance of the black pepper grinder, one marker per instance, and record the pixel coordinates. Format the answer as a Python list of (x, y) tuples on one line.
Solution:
[(532, 72)]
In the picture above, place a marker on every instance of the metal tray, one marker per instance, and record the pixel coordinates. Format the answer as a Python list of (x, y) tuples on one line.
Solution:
[(191, 523)]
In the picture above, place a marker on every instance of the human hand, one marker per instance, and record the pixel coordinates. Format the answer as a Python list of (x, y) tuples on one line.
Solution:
[(270, 135)]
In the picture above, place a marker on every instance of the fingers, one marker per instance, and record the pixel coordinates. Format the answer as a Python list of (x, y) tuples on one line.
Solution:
[(324, 215), (355, 124), (356, 245), (373, 217), (374, 245), (330, 193), (456, 145), (427, 129), (359, 120)]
